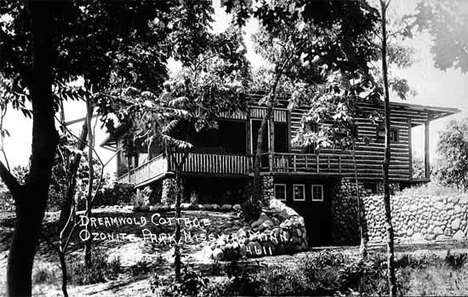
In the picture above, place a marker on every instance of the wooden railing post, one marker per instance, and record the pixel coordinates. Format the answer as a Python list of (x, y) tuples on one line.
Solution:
[(294, 163), (270, 157)]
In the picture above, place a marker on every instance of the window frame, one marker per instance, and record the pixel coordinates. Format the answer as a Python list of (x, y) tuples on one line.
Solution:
[(303, 192), (285, 191), (393, 132), (321, 192)]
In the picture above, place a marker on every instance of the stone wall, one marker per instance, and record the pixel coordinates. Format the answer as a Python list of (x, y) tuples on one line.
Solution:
[(416, 218), (168, 192), (268, 190), (278, 230), (344, 210), (420, 218)]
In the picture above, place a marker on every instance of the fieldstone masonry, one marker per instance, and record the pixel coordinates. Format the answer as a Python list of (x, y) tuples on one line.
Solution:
[(278, 230), (168, 192), (344, 210), (268, 190), (420, 218)]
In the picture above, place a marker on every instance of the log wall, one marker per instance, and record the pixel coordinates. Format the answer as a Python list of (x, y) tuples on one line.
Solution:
[(369, 156)]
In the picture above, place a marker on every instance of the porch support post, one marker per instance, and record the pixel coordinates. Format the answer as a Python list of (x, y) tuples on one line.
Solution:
[(427, 162)]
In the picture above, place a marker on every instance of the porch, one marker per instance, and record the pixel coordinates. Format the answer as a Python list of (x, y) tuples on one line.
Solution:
[(237, 165)]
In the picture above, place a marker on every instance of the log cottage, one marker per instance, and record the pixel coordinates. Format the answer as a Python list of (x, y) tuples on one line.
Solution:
[(219, 168)]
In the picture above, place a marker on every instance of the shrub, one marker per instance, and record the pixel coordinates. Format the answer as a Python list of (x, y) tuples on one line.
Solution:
[(44, 275), (284, 281), (434, 188), (416, 261), (191, 284), (251, 209), (142, 267), (325, 274), (141, 200), (244, 284), (100, 271), (456, 260), (115, 194), (364, 277)]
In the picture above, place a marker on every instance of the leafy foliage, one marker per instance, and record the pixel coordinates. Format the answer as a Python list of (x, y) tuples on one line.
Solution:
[(447, 22), (191, 284), (324, 274), (114, 194), (210, 83), (124, 38), (452, 169)]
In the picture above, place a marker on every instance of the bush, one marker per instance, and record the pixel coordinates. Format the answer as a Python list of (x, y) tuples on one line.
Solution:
[(326, 274), (116, 194), (100, 271), (44, 275), (456, 260), (191, 284), (142, 267), (251, 209), (434, 188), (141, 200), (416, 261)]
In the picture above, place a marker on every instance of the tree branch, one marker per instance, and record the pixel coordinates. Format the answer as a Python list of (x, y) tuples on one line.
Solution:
[(24, 71), (10, 181)]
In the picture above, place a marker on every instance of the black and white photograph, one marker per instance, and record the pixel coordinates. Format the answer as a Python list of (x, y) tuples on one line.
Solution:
[(233, 148)]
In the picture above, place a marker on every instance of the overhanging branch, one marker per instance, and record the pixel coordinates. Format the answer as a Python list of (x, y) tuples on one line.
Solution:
[(15, 60), (10, 181)]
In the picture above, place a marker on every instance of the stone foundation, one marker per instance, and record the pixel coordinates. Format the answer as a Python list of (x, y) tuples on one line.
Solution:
[(344, 210), (420, 218), (168, 192), (416, 218), (268, 190)]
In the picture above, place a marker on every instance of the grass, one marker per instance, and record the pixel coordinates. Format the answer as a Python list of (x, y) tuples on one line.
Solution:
[(432, 188)]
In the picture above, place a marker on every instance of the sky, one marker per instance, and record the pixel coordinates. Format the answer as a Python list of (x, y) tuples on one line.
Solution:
[(434, 87)]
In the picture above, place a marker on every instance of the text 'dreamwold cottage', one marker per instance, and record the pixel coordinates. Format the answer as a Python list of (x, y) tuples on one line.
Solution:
[(193, 231)]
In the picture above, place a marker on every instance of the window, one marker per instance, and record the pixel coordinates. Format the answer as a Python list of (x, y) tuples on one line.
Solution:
[(280, 192), (281, 137), (317, 193), (393, 134), (298, 192)]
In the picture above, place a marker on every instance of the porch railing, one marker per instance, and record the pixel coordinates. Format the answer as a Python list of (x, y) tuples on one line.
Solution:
[(214, 163), (150, 170), (310, 163), (230, 164)]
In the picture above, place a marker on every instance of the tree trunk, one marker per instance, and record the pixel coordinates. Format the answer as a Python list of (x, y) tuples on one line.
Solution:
[(63, 266), (177, 253), (31, 200), (89, 196), (386, 164), (69, 194), (257, 183), (177, 248), (363, 246)]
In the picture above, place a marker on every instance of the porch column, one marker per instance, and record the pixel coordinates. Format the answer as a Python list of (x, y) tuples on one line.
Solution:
[(427, 162)]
